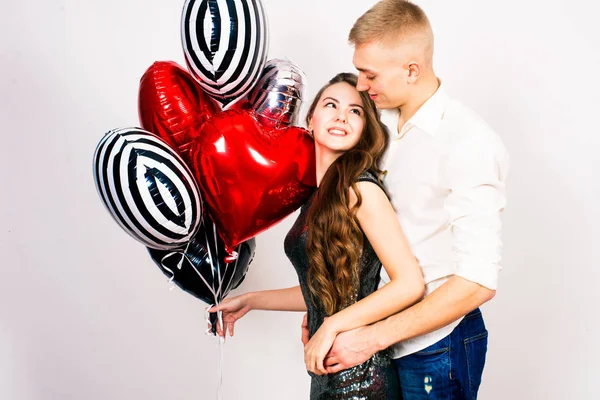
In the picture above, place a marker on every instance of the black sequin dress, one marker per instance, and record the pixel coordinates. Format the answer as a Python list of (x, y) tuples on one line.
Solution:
[(375, 379)]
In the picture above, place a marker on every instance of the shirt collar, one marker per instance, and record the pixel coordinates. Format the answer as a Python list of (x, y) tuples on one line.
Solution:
[(427, 117)]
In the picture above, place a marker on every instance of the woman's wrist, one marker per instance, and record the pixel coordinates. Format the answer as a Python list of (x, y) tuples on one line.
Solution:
[(332, 324), (249, 299)]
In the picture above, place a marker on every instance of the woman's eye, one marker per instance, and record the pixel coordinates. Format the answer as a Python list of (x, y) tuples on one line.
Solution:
[(370, 78), (330, 104), (356, 111)]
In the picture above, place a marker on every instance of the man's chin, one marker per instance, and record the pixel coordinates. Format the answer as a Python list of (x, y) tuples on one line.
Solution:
[(384, 105)]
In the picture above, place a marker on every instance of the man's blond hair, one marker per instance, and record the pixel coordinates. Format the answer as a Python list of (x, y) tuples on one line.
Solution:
[(388, 21)]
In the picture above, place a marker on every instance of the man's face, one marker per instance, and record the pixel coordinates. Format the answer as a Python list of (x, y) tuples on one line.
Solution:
[(382, 73)]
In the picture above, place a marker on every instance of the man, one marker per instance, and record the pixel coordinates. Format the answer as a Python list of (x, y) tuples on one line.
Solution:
[(446, 176)]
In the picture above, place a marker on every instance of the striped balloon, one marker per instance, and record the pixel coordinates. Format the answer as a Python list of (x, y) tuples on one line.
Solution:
[(147, 188), (225, 43)]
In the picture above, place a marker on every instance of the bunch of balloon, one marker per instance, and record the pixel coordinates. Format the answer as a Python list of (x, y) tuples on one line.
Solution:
[(219, 157), (152, 194)]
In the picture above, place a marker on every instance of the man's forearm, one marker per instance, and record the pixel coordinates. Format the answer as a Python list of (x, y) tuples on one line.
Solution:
[(452, 300)]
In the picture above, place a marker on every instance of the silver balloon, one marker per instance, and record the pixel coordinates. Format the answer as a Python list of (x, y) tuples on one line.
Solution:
[(279, 93)]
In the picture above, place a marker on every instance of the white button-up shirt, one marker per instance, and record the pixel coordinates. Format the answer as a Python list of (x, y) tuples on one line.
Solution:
[(446, 178)]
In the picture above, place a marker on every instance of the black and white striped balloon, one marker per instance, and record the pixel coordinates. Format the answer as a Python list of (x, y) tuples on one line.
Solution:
[(225, 44), (147, 188)]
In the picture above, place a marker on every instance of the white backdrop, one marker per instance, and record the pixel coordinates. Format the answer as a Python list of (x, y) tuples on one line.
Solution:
[(85, 314)]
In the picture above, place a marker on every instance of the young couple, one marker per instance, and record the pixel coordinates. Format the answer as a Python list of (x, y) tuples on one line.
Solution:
[(435, 227)]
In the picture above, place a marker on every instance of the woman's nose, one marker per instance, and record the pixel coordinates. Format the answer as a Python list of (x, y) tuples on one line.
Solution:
[(341, 117)]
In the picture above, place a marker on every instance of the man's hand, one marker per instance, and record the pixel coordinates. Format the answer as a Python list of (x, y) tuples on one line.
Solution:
[(304, 328), (449, 302), (351, 348)]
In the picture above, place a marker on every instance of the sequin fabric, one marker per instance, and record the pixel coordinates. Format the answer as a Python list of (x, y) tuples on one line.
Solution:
[(376, 378)]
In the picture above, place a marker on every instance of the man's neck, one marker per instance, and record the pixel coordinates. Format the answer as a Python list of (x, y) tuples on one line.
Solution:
[(425, 90)]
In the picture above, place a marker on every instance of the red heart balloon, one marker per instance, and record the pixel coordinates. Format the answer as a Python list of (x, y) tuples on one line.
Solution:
[(172, 105), (251, 176)]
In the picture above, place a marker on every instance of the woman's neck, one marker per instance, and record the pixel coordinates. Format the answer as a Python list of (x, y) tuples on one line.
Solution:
[(324, 159)]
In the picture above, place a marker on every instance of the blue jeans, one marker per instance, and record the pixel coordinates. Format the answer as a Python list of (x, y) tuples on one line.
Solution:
[(450, 369)]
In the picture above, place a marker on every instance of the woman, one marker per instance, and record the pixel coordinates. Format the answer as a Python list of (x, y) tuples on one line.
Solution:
[(343, 234)]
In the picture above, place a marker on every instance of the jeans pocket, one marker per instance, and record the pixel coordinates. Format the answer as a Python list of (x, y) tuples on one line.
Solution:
[(443, 346), (475, 350), (432, 351)]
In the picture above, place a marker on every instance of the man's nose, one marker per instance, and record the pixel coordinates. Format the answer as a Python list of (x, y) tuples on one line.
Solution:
[(361, 84)]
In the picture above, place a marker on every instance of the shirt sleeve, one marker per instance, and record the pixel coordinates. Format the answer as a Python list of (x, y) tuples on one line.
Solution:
[(475, 175)]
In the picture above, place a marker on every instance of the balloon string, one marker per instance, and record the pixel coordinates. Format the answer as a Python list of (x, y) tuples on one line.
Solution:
[(179, 265), (216, 296), (215, 291), (219, 294), (172, 274), (221, 358), (220, 291), (232, 274), (201, 277), (221, 348), (207, 315), (212, 260), (162, 264)]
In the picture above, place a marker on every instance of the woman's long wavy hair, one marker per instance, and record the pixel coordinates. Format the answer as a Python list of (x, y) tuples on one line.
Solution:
[(335, 240)]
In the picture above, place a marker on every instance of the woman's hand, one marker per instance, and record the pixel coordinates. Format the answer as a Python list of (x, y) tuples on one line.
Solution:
[(233, 309), (317, 348)]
